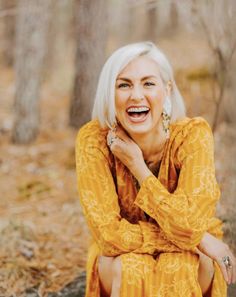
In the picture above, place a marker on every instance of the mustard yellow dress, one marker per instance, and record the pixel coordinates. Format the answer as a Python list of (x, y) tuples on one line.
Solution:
[(156, 228)]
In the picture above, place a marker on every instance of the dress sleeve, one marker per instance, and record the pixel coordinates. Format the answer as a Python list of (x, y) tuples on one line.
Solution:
[(113, 234), (184, 215)]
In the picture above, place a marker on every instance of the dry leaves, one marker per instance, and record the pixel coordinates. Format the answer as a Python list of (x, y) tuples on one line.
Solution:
[(43, 236)]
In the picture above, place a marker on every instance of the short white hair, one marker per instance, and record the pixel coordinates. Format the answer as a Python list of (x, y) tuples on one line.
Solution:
[(104, 104)]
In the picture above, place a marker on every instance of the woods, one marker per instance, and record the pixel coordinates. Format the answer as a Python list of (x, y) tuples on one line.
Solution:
[(51, 53)]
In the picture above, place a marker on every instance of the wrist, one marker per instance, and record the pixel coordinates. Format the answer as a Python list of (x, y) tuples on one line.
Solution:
[(203, 241), (140, 171)]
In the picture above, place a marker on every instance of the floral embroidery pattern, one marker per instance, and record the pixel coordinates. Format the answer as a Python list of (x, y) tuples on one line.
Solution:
[(157, 254)]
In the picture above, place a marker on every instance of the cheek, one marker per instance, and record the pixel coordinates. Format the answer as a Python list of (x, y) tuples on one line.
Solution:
[(120, 102), (158, 98)]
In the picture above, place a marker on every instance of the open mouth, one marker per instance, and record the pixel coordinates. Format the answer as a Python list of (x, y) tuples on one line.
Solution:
[(138, 113)]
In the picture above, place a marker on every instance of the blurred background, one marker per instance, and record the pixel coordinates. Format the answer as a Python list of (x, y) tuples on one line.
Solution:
[(51, 53)]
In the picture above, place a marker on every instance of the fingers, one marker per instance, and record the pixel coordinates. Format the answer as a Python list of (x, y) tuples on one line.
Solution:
[(111, 137), (223, 270), (118, 136), (232, 269), (228, 270), (120, 132), (114, 141)]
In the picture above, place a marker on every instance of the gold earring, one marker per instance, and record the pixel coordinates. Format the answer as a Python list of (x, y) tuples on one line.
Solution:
[(166, 116)]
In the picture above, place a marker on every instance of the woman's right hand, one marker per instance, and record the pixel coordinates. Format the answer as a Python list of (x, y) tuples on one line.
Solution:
[(128, 152), (217, 250)]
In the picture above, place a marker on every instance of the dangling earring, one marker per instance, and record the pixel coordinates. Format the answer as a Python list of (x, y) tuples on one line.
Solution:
[(166, 115)]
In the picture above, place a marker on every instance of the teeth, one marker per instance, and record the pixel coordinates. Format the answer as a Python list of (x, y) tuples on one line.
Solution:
[(138, 109)]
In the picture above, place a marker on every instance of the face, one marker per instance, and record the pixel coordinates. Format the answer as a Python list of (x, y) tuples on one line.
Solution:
[(139, 96)]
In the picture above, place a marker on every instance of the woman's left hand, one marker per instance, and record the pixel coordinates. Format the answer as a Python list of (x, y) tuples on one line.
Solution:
[(128, 152), (219, 251)]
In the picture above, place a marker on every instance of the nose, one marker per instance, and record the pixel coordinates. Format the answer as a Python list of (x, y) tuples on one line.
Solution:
[(136, 93)]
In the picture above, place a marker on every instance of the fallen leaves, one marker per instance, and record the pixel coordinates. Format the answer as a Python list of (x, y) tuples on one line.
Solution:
[(43, 236)]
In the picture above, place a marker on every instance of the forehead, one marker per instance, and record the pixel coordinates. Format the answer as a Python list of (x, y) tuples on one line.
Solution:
[(140, 66)]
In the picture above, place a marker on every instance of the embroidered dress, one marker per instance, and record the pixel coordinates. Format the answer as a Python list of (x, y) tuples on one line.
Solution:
[(155, 229)]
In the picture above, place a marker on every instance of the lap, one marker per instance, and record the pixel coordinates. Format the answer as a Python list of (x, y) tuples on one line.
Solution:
[(169, 272)]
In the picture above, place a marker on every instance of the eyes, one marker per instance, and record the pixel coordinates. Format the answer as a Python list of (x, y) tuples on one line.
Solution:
[(126, 85)]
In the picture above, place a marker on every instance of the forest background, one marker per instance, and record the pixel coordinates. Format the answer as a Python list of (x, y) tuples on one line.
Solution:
[(51, 52)]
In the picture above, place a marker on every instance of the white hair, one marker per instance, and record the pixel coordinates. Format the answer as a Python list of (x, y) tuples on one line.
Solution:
[(104, 104)]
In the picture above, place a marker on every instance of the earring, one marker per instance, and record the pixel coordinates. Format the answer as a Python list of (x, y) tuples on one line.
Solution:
[(166, 115)]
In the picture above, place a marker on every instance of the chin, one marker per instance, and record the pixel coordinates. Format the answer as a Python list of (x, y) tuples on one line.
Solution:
[(138, 128)]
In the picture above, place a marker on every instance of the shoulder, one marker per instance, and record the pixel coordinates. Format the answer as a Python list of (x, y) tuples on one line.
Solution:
[(187, 124), (92, 135), (190, 127), (192, 134)]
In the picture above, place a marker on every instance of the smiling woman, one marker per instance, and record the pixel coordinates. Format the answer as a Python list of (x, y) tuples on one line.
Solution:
[(147, 186), (139, 96)]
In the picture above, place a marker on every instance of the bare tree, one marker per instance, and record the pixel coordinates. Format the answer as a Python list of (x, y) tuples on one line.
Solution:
[(91, 43), (151, 7), (174, 16), (217, 19), (7, 44), (31, 29)]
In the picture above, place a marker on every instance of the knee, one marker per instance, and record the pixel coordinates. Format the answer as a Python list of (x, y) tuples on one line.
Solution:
[(104, 264), (116, 268), (205, 272), (206, 266), (111, 266), (105, 274), (116, 276)]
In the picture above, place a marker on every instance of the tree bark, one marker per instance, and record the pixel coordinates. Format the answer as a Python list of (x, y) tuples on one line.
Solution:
[(8, 32), (174, 18), (152, 18), (91, 44), (31, 30)]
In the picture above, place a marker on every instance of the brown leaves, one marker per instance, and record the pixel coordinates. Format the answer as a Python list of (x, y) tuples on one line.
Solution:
[(33, 187), (43, 236)]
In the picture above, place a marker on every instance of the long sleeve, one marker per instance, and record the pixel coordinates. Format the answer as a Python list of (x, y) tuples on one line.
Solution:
[(184, 215), (113, 234)]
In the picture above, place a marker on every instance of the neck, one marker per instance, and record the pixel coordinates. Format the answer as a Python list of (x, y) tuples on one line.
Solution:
[(151, 144)]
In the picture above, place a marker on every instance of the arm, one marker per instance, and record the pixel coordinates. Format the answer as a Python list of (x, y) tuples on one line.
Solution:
[(184, 214), (113, 234)]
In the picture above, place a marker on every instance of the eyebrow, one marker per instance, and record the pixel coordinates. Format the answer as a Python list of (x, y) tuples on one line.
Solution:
[(129, 80)]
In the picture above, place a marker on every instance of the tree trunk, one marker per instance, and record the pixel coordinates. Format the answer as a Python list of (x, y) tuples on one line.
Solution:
[(8, 32), (151, 7), (174, 18), (91, 19), (31, 30)]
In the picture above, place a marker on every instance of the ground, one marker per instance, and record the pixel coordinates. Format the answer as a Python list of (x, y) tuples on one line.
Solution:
[(43, 237)]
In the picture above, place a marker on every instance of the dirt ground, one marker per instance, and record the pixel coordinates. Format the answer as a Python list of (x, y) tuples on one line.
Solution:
[(43, 237)]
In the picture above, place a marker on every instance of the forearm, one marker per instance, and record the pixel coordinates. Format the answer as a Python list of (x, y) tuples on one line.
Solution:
[(140, 170)]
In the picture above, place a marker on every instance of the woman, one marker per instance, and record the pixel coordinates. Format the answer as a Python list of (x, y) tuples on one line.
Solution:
[(147, 186)]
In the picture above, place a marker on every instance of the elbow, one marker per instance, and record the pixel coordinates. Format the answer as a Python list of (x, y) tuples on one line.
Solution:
[(108, 250), (188, 239), (107, 247), (195, 239)]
